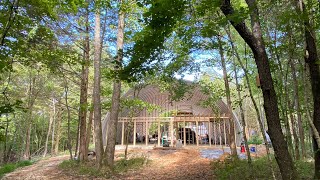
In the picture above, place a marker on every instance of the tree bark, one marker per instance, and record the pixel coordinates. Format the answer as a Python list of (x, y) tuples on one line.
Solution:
[(255, 41), (83, 154), (53, 126), (113, 121), (312, 60), (243, 121), (48, 134), (59, 116), (261, 126), (232, 144), (69, 118), (31, 100), (96, 91)]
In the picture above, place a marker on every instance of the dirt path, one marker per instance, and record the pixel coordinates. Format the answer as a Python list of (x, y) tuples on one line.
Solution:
[(44, 169), (173, 164), (163, 164)]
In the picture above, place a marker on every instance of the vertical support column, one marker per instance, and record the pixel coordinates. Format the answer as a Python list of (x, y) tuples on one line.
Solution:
[(220, 132), (214, 132), (159, 133), (225, 134), (122, 134), (147, 133), (197, 132), (134, 132), (210, 133), (171, 129), (184, 134)]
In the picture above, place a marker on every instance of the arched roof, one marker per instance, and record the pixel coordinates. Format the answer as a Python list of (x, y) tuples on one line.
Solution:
[(191, 102)]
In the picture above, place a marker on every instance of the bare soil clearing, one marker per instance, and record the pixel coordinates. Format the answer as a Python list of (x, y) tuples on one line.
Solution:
[(162, 164)]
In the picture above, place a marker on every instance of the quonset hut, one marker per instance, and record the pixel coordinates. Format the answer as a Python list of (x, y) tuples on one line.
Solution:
[(185, 120)]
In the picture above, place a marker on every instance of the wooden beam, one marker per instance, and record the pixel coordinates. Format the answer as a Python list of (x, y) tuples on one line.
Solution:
[(225, 134), (220, 133), (147, 133), (209, 124), (159, 133), (122, 134), (171, 129), (215, 133), (184, 134), (134, 132), (197, 133)]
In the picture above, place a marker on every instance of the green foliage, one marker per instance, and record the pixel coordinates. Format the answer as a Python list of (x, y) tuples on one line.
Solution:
[(259, 170), (10, 167), (130, 164), (255, 139), (160, 20)]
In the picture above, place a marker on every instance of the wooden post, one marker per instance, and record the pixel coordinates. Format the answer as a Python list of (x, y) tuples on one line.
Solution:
[(134, 132), (197, 132), (184, 133), (171, 129), (147, 133), (209, 124), (122, 134), (214, 132), (220, 133), (159, 133), (225, 134)]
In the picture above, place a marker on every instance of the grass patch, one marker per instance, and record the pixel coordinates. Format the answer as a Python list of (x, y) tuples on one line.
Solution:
[(259, 170), (10, 167), (125, 165), (89, 169)]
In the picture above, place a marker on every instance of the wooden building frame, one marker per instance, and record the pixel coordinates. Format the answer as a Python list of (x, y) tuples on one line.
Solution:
[(188, 111)]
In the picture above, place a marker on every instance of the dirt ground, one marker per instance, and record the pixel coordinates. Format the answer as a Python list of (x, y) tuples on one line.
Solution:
[(162, 164), (185, 163)]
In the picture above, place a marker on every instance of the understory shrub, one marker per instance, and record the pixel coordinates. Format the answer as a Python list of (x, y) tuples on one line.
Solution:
[(260, 169), (10, 167)]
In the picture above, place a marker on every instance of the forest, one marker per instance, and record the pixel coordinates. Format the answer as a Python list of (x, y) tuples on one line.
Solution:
[(66, 64)]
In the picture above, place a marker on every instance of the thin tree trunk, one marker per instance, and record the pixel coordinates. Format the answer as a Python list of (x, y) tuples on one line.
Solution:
[(296, 94), (53, 126), (311, 58), (260, 122), (48, 134), (243, 121), (232, 144), (255, 41), (56, 146), (5, 154), (69, 119), (96, 91), (31, 100), (294, 131), (113, 121)]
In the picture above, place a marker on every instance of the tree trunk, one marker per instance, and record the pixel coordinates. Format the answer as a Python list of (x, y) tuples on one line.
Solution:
[(243, 121), (255, 41), (297, 108), (53, 126), (294, 131), (296, 93), (96, 91), (69, 119), (311, 58), (31, 99), (113, 121), (48, 134), (260, 122), (232, 144), (56, 146), (83, 154)]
